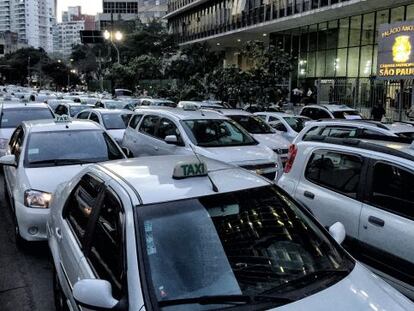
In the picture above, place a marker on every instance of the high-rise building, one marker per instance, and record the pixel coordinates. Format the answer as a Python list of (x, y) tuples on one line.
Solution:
[(32, 20), (151, 9), (74, 13), (334, 43), (66, 35)]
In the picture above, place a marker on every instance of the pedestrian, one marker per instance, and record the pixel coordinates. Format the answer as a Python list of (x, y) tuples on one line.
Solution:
[(378, 112)]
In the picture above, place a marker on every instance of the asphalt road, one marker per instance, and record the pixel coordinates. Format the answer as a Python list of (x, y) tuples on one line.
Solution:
[(25, 275)]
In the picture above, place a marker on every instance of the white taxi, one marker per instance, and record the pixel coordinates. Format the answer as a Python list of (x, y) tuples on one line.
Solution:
[(41, 154), (187, 233)]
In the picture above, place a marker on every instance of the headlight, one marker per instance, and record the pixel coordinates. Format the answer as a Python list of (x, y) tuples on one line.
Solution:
[(3, 143), (37, 199)]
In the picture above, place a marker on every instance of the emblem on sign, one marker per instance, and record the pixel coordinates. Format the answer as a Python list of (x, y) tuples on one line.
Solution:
[(401, 49)]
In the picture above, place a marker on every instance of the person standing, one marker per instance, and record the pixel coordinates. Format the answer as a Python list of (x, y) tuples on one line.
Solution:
[(378, 112)]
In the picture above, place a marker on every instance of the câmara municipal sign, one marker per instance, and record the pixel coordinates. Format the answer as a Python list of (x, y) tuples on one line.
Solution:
[(396, 51)]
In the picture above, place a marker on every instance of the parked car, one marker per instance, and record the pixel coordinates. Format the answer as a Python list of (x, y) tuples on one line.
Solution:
[(288, 125), (156, 102), (172, 131), (12, 114), (199, 104), (188, 233), (41, 154), (317, 112), (369, 187), (53, 103), (70, 109), (113, 120)]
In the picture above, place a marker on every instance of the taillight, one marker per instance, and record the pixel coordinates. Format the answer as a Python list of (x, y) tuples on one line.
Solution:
[(291, 158)]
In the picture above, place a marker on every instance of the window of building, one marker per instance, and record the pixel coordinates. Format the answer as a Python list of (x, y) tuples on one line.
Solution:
[(330, 63), (368, 29), (320, 63), (353, 62), (343, 33), (397, 14), (340, 62), (311, 64), (393, 189), (410, 13), (366, 61), (355, 31), (336, 171), (382, 18)]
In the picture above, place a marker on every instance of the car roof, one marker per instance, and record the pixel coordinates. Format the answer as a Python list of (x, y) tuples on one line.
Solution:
[(400, 127), (108, 111), (152, 178), (234, 112), (280, 114), (52, 125), (349, 122), (23, 105), (331, 107), (182, 114), (157, 100)]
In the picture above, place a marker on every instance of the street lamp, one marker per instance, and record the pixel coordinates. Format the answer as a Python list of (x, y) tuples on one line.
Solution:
[(111, 36)]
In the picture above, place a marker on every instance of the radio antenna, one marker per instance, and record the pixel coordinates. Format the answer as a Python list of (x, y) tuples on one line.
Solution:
[(213, 185)]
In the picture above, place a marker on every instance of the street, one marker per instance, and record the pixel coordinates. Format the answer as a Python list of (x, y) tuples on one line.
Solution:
[(25, 276)]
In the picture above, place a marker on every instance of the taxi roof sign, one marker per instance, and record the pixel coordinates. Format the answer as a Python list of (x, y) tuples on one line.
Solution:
[(186, 169), (62, 119)]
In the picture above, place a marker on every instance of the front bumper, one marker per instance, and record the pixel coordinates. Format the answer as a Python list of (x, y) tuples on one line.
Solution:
[(31, 222)]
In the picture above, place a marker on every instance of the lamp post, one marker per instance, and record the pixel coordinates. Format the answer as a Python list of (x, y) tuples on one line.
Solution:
[(113, 37)]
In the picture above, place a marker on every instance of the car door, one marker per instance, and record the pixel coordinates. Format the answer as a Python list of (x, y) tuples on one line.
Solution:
[(15, 145), (104, 248), (76, 218), (387, 220), (165, 128), (330, 188), (147, 143), (131, 132)]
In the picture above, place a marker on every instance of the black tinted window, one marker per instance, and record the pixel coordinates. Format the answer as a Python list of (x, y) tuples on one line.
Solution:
[(114, 121), (135, 120), (106, 248), (80, 205), (11, 118), (83, 115), (340, 132), (93, 117), (393, 189), (149, 124), (336, 171)]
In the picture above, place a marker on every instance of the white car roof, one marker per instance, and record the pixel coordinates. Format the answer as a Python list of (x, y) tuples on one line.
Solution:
[(332, 108), (23, 105), (234, 112), (108, 111), (152, 178), (279, 114), (181, 114), (345, 122), (52, 125), (399, 127)]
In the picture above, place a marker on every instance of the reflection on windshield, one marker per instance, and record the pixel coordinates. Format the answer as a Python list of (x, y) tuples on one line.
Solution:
[(253, 125), (74, 110), (296, 123), (69, 147), (248, 242), (116, 121), (11, 118), (217, 133)]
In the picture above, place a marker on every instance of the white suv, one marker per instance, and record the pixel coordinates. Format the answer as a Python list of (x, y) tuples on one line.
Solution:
[(369, 187), (317, 112), (173, 131)]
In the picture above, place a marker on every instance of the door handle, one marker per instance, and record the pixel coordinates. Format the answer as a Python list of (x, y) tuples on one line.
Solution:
[(58, 233), (376, 221), (309, 194)]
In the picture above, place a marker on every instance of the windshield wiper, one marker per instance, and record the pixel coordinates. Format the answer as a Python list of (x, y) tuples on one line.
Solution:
[(227, 299), (309, 278), (57, 162)]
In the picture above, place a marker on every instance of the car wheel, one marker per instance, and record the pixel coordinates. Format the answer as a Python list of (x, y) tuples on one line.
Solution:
[(58, 295), (20, 242)]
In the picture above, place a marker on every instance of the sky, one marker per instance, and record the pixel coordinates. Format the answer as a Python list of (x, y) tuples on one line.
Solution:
[(88, 6)]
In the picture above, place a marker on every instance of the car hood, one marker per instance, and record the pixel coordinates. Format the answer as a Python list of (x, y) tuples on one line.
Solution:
[(361, 290), (6, 132), (273, 141), (48, 178), (239, 155), (117, 134)]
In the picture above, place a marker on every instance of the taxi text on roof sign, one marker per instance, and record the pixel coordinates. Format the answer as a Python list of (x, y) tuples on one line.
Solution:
[(185, 169), (396, 51), (62, 119)]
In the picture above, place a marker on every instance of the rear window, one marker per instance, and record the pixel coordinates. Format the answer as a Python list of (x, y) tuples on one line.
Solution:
[(115, 121), (11, 118)]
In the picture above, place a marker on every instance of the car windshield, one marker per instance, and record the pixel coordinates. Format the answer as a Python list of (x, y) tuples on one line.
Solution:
[(254, 243), (296, 123), (11, 118), (70, 147), (74, 110), (217, 133), (347, 114), (115, 105), (114, 121), (254, 125)]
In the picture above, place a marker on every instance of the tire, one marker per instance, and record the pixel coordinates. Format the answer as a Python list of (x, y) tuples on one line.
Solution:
[(58, 295), (20, 242)]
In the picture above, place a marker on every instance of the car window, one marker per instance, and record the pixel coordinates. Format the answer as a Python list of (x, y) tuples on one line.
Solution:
[(93, 117), (79, 207), (167, 127), (279, 126), (340, 132), (149, 124), (322, 114), (12, 117), (83, 115), (393, 189), (263, 117), (134, 121), (297, 124), (61, 110), (337, 171), (253, 124), (115, 121), (370, 134), (16, 142), (74, 110), (306, 112), (105, 250), (313, 131)]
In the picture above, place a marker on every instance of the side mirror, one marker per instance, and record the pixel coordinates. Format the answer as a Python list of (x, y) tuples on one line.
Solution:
[(94, 294), (9, 160), (171, 139), (127, 152), (337, 231)]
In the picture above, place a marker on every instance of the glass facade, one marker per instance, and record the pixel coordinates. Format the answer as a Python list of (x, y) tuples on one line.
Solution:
[(339, 57)]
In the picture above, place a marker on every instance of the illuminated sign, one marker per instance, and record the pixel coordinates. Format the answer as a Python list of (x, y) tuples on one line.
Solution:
[(396, 51)]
